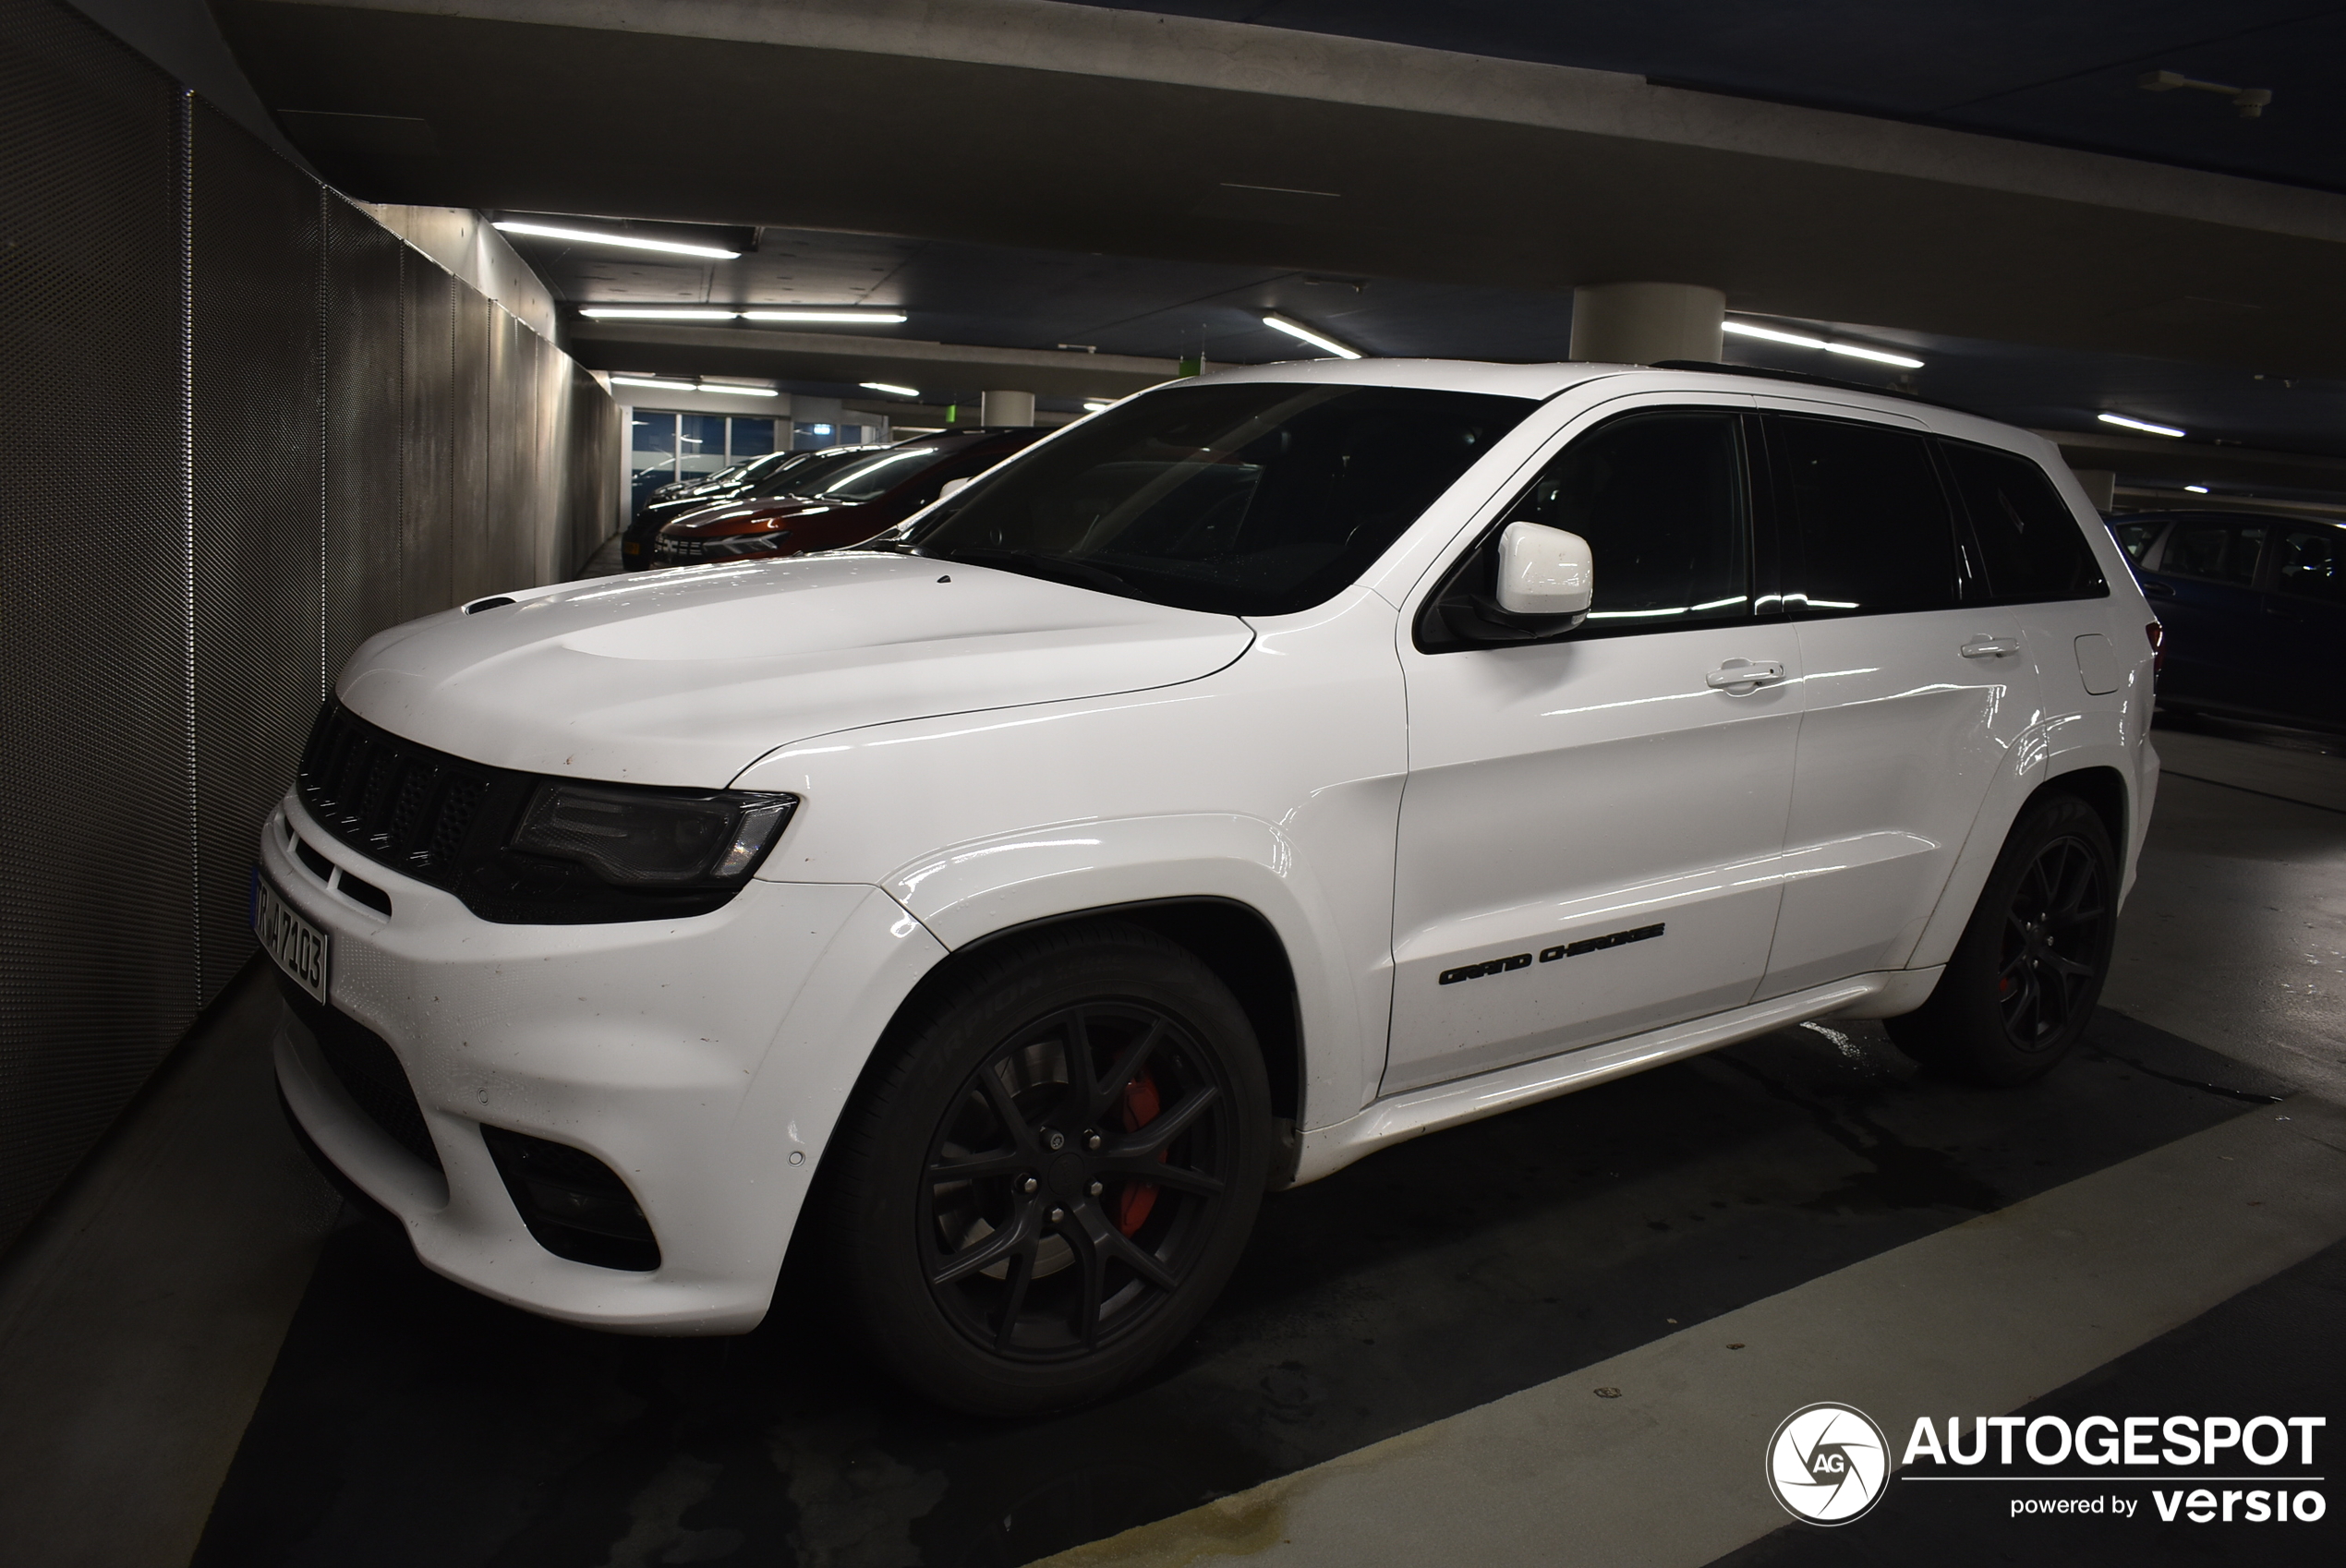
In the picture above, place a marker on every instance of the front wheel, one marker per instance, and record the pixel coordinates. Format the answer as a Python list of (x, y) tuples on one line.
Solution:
[(2026, 975), (1046, 1183)]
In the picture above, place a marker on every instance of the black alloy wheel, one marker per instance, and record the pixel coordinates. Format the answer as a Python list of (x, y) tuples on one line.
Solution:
[(1073, 1178), (1050, 1168), (2057, 914), (2024, 978)]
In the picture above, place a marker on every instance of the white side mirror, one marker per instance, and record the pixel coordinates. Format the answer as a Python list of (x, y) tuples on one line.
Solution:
[(952, 485), (1544, 571)]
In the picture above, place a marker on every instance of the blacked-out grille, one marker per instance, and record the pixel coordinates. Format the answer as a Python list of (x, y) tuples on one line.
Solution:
[(405, 805), (443, 820), (368, 1071)]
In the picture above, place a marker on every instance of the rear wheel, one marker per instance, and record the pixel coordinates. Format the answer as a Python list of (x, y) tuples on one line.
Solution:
[(2024, 979), (1052, 1177)]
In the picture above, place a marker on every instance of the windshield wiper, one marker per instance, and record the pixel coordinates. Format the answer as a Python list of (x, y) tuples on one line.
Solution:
[(1056, 568)]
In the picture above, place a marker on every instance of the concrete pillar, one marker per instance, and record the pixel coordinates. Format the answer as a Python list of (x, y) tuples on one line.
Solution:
[(1007, 409), (1641, 323), (2101, 486)]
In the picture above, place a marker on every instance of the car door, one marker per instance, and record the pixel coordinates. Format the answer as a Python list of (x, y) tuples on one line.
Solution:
[(1914, 699), (2307, 608), (2201, 582), (1588, 828)]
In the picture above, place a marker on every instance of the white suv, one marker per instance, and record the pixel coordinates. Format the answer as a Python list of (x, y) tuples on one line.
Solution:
[(1273, 766)]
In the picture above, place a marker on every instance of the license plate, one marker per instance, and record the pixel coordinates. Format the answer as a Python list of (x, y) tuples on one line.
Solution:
[(300, 948)]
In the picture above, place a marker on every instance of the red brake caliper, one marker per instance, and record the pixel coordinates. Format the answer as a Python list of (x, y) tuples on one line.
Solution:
[(1136, 1107)]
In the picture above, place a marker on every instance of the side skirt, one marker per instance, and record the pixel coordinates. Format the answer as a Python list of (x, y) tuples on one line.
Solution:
[(1403, 1116)]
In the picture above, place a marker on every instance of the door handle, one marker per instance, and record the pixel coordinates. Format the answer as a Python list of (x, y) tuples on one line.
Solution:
[(2158, 591), (1990, 647), (1743, 673)]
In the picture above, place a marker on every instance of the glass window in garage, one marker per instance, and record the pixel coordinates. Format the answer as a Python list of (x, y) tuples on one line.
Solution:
[(700, 445), (651, 451)]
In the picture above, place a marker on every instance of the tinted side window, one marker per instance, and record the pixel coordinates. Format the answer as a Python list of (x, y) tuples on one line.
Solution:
[(2313, 563), (2028, 540), (2222, 552), (1871, 528), (1659, 496)]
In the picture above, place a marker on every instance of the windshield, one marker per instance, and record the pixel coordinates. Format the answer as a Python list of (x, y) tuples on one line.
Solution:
[(873, 474), (1257, 498), (807, 469), (760, 467)]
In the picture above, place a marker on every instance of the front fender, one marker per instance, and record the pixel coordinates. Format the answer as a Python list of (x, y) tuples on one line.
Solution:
[(974, 889)]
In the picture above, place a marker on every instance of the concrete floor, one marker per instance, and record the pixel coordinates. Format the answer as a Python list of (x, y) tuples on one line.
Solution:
[(1404, 1367)]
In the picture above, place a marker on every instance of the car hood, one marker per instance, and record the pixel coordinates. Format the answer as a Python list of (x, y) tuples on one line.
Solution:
[(686, 677), (726, 517)]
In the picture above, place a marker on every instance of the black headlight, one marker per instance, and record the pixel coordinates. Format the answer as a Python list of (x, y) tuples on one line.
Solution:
[(655, 838)]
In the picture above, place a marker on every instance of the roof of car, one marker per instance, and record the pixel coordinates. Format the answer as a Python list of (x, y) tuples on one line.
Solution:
[(1544, 381), (1438, 375), (2219, 515)]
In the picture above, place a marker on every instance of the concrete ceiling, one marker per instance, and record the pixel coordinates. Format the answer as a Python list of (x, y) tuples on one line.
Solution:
[(1075, 128), (2067, 75), (1030, 179)]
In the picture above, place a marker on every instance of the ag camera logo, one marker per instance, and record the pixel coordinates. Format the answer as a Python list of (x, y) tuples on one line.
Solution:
[(1827, 1463)]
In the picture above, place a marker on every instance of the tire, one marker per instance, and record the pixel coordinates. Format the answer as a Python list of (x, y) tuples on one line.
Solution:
[(943, 1183), (2030, 968)]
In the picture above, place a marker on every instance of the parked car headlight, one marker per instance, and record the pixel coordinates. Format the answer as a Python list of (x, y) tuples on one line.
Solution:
[(655, 837)]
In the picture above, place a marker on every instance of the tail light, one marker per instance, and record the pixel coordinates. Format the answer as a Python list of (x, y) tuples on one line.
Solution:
[(2158, 635)]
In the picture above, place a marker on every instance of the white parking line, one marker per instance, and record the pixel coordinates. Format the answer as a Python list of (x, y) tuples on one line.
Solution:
[(1666, 1472)]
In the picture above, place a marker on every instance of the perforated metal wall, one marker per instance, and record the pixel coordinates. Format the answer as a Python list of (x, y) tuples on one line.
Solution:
[(245, 429), (97, 948), (256, 360)]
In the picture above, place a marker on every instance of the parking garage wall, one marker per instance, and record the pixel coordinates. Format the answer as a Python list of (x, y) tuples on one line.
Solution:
[(245, 427)]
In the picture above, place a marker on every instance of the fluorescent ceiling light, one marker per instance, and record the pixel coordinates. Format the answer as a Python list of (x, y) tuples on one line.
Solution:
[(1093, 405), (844, 317), (1854, 351), (893, 392), (625, 241), (1876, 354), (1317, 339), (719, 386), (2196, 489), (2145, 429), (1746, 330), (653, 313)]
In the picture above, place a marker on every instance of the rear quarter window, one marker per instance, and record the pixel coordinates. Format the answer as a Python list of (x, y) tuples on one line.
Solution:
[(2135, 539), (2030, 546)]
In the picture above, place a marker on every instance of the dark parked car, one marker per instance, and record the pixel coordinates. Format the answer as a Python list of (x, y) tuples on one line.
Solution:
[(2254, 611), (675, 487), (776, 473), (847, 506)]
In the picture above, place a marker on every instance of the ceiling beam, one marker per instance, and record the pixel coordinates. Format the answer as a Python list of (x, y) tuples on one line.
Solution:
[(667, 348), (1028, 123)]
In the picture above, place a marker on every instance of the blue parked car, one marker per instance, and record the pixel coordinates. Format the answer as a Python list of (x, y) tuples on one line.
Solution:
[(2254, 608)]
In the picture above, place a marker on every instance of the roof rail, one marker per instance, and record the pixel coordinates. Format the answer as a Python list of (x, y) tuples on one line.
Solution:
[(1807, 379)]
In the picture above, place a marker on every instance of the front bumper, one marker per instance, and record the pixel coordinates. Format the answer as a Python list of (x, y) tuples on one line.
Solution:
[(696, 1057)]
